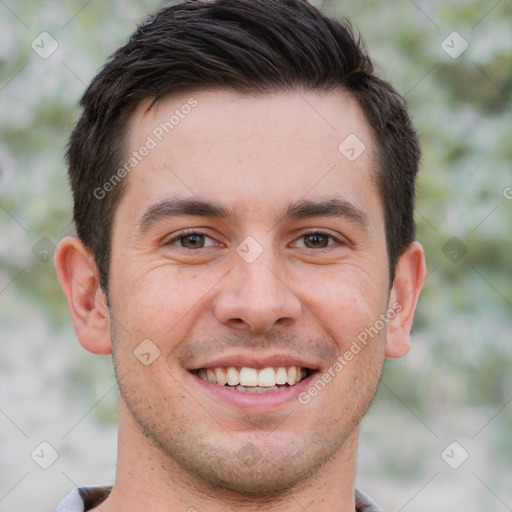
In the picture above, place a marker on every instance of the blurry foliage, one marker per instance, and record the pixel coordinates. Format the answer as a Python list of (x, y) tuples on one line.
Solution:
[(463, 352), (462, 111)]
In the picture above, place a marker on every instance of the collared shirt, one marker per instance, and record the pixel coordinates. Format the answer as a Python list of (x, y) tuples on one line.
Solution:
[(86, 498)]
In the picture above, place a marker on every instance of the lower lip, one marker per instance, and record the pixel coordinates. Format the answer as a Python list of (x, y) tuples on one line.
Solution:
[(252, 401)]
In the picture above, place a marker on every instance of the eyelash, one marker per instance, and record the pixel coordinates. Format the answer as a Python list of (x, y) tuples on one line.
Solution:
[(189, 232), (183, 234)]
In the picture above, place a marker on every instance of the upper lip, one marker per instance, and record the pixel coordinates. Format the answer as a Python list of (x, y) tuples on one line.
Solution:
[(257, 361)]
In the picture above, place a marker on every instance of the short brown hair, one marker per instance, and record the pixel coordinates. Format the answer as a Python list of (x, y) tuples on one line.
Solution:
[(251, 47)]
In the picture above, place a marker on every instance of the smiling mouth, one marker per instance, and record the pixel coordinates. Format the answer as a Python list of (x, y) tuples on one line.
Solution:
[(254, 380)]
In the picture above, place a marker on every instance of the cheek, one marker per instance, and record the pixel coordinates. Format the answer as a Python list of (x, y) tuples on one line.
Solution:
[(344, 301), (160, 303)]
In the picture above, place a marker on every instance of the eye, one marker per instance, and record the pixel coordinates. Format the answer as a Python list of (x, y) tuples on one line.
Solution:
[(191, 240), (316, 240)]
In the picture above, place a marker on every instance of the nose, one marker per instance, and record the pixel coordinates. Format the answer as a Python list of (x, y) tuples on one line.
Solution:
[(256, 297)]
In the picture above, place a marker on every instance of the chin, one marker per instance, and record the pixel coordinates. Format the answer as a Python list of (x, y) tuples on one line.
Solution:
[(260, 469), (269, 476)]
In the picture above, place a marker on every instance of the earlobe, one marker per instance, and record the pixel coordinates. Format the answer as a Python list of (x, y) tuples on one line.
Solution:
[(409, 277), (78, 276)]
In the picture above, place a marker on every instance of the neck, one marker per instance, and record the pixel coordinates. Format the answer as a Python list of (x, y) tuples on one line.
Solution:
[(148, 480)]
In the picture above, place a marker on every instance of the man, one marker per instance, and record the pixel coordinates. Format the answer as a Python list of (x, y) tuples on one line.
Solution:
[(243, 192)]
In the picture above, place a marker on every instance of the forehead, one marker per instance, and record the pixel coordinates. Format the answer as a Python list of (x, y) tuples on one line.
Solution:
[(254, 153)]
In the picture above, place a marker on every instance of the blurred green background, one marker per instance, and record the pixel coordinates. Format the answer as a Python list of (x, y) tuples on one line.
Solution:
[(456, 383)]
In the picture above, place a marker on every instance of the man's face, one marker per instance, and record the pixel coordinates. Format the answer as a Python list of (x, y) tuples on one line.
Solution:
[(289, 276)]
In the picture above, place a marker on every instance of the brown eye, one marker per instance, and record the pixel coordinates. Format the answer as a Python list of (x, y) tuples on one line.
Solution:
[(315, 240), (191, 239), (194, 241)]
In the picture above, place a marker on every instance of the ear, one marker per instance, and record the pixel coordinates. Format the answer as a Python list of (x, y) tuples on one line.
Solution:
[(409, 277), (79, 278)]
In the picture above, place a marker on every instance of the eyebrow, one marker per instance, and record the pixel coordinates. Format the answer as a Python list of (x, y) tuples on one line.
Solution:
[(176, 207), (328, 208)]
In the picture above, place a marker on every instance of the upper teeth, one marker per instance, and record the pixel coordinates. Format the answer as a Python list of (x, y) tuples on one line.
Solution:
[(265, 377)]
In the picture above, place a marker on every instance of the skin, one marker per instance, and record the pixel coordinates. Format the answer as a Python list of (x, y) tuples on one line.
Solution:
[(179, 447)]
